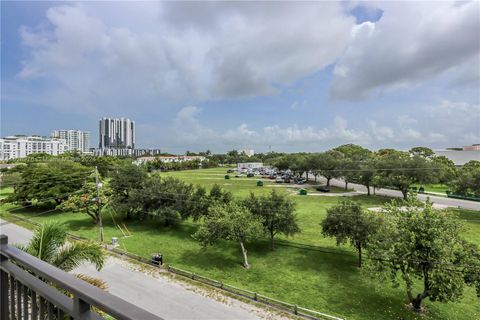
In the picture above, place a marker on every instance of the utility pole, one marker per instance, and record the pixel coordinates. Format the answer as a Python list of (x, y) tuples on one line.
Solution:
[(99, 204)]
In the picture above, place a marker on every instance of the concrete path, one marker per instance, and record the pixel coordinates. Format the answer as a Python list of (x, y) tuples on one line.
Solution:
[(157, 292)]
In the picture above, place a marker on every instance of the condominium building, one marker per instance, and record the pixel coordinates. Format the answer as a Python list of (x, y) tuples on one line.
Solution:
[(116, 133), (14, 147), (76, 140)]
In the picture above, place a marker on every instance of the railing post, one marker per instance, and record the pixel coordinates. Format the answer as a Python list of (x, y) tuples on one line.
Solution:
[(80, 308), (295, 309), (4, 313)]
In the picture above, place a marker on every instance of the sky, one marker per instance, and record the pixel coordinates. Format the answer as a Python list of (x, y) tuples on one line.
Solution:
[(281, 76)]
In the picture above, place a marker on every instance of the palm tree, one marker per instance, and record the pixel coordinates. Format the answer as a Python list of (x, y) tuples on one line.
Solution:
[(49, 243)]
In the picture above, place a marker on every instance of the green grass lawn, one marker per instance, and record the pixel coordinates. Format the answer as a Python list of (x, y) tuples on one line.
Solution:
[(326, 280), (441, 188)]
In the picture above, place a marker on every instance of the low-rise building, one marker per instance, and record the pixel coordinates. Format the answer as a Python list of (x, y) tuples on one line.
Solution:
[(169, 159), (14, 147), (473, 147), (76, 140), (250, 165), (459, 157)]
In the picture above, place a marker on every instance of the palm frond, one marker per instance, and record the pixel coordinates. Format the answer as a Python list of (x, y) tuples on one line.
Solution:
[(46, 240), (77, 253)]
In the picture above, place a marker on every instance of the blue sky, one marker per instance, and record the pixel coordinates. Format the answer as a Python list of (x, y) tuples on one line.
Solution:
[(294, 76)]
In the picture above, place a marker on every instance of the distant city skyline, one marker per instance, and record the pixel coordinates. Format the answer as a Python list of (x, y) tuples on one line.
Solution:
[(116, 133), (220, 76)]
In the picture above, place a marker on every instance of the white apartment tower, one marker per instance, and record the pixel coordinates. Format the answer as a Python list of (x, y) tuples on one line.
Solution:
[(14, 147), (116, 133), (76, 140)]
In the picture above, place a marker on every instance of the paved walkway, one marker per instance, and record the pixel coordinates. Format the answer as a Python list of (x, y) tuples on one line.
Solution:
[(155, 292)]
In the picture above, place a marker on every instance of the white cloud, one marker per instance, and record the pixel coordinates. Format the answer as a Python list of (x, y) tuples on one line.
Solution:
[(412, 42), (446, 124), (102, 56)]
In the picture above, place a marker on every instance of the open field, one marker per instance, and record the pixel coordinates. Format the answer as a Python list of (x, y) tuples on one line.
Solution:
[(324, 279)]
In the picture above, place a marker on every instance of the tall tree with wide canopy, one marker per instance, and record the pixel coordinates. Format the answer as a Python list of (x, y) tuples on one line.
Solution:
[(50, 183), (400, 170), (348, 222), (354, 158), (330, 162), (277, 213), (423, 248), (231, 221), (124, 179), (467, 183)]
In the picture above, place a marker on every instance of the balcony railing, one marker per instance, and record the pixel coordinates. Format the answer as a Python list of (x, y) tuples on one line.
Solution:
[(34, 289)]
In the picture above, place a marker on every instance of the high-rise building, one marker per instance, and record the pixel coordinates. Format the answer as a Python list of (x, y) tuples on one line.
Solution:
[(14, 147), (76, 140), (116, 133)]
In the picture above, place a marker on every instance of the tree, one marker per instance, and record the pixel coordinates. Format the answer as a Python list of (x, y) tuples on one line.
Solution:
[(220, 195), (85, 200), (50, 181), (446, 169), (400, 170), (49, 243), (230, 221), (354, 156), (424, 152), (330, 164), (277, 213), (418, 242), (348, 222), (368, 173), (467, 182), (125, 179), (156, 194)]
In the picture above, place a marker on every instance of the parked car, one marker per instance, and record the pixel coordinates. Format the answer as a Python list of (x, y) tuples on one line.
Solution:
[(230, 171), (278, 180), (272, 176), (323, 188), (299, 181), (250, 174), (238, 175), (287, 179)]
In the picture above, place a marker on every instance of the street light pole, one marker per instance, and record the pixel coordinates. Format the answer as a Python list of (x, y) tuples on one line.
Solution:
[(99, 204)]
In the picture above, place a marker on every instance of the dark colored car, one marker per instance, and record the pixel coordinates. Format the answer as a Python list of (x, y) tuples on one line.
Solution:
[(323, 188), (250, 174)]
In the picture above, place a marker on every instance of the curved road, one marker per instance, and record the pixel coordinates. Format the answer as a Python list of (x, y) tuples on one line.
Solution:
[(458, 203), (156, 293)]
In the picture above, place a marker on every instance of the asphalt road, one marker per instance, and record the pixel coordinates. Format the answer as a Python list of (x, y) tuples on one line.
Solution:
[(154, 292), (465, 204)]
